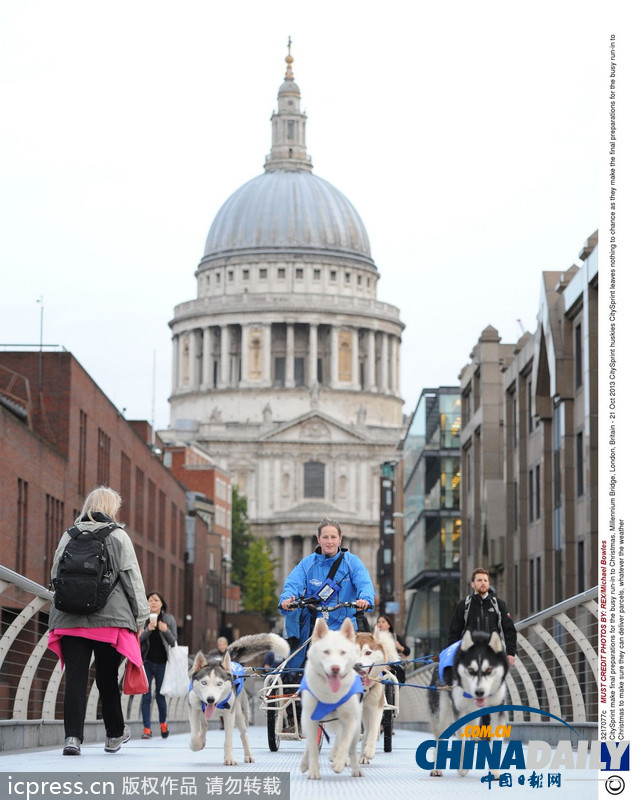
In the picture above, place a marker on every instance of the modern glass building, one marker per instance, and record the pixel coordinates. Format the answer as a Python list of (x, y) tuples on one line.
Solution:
[(432, 517)]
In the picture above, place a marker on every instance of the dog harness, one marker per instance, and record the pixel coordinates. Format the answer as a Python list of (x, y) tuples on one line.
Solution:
[(323, 709), (238, 673), (446, 659)]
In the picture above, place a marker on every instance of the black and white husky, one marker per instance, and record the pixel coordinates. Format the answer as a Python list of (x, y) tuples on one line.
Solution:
[(476, 680), (216, 688)]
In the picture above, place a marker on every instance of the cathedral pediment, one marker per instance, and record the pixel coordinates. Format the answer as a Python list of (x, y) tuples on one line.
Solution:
[(315, 427)]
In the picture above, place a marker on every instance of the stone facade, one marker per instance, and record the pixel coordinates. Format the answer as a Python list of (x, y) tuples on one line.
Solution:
[(286, 366)]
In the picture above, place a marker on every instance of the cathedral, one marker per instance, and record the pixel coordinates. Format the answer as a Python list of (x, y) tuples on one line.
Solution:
[(286, 365)]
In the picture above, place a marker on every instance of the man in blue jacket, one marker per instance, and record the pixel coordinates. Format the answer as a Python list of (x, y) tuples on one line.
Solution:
[(317, 576)]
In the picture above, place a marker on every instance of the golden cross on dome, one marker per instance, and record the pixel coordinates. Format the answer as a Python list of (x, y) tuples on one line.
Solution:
[(289, 60)]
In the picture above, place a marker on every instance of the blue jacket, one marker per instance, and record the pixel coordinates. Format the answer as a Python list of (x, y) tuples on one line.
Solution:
[(309, 576)]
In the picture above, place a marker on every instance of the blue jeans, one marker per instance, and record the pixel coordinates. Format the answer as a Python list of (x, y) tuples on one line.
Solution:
[(157, 672)]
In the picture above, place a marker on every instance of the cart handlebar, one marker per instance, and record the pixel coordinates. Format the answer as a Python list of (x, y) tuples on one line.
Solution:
[(314, 605)]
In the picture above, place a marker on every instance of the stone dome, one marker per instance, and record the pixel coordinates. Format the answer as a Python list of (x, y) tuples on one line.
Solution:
[(288, 210)]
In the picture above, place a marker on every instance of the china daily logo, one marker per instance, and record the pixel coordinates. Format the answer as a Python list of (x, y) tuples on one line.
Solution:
[(498, 754)]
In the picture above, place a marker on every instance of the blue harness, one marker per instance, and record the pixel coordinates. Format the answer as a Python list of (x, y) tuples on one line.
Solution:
[(324, 709), (238, 673), (446, 659)]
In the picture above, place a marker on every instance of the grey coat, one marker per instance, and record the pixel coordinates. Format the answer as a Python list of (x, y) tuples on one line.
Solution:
[(127, 606)]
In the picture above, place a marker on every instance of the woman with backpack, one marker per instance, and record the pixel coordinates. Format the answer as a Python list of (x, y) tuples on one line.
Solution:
[(160, 633), (96, 611)]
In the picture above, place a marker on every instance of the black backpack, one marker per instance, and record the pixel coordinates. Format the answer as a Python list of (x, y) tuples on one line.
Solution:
[(85, 576)]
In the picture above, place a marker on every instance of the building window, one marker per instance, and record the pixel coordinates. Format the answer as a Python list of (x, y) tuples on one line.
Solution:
[(54, 523), (104, 448), (299, 371), (515, 501), (262, 273), (530, 506), (218, 277), (531, 582), (82, 454), (125, 487), (151, 510), (299, 273), (332, 275), (281, 273), (162, 502), (279, 371), (245, 274), (359, 280), (348, 277), (538, 583), (579, 464), (580, 567), (515, 592), (317, 274), (578, 357), (530, 408), (538, 490), (314, 479), (139, 508), (21, 526)]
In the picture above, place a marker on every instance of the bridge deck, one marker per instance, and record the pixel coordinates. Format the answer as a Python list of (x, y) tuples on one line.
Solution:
[(394, 774)]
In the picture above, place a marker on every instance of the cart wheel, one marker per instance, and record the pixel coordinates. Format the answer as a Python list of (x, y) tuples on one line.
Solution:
[(388, 721), (272, 738)]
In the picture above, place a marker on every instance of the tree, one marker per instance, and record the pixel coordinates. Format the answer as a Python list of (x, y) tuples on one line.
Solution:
[(259, 592), (241, 538)]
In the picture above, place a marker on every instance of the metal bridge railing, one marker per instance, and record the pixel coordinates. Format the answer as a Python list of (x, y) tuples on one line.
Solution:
[(556, 669), (31, 696)]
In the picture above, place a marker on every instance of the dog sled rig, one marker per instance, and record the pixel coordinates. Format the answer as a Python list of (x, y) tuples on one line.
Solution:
[(280, 696)]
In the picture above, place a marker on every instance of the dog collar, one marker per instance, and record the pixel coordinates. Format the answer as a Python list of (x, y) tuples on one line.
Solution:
[(323, 709)]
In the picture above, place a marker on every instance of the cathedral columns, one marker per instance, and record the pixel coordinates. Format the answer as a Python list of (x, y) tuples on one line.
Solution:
[(208, 358), (355, 371), (333, 358), (289, 356), (193, 359), (384, 387), (224, 356), (394, 365), (370, 380), (175, 377), (312, 367), (267, 354)]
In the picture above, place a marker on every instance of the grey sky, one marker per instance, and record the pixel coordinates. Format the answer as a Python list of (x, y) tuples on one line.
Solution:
[(466, 135)]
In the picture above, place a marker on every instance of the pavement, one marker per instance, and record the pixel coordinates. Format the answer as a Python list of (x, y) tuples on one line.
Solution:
[(390, 775)]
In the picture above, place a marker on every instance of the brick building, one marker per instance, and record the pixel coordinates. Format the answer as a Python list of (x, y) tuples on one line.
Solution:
[(59, 437)]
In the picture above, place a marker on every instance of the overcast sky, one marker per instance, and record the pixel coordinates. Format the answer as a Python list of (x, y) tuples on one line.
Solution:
[(469, 136)]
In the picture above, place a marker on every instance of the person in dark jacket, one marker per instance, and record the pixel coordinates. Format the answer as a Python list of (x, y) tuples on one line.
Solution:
[(108, 634), (159, 635), (482, 610)]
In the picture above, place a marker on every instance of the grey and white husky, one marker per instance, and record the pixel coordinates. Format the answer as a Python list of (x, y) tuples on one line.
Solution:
[(476, 680), (216, 689)]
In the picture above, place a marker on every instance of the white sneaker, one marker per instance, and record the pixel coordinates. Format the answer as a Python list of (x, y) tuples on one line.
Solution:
[(113, 743)]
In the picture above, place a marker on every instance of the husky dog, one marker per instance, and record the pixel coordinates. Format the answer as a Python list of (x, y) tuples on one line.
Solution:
[(217, 688), (477, 680), (331, 691), (374, 650)]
